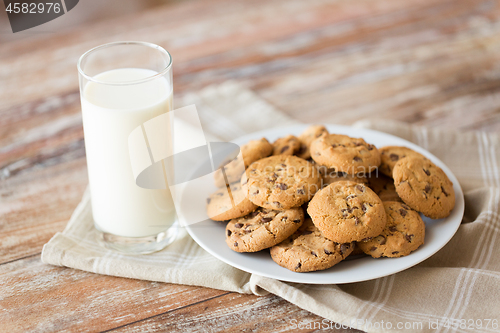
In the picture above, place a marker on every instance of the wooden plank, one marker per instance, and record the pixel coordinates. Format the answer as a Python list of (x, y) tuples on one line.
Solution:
[(236, 313), (38, 203), (37, 297), (59, 299), (372, 51)]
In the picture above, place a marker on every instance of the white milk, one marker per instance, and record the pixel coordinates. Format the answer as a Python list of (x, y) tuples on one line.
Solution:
[(110, 113)]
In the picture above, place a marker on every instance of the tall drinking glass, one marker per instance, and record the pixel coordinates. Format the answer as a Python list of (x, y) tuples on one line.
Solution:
[(123, 85)]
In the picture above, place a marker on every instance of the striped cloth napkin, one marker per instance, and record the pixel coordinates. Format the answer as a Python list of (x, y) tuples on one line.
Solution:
[(455, 290)]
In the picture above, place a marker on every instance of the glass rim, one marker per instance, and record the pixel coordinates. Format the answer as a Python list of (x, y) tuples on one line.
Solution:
[(103, 46)]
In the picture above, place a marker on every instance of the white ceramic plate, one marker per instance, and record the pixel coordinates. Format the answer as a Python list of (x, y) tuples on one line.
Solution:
[(210, 235)]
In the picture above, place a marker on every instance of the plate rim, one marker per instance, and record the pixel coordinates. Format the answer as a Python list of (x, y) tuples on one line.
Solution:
[(459, 208)]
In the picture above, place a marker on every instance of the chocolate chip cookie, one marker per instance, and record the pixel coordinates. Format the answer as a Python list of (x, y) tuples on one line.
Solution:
[(281, 182), (424, 187), (383, 186), (307, 137), (287, 145), (346, 212), (346, 154), (229, 203), (262, 229), (390, 155), (308, 250), (252, 151), (403, 233)]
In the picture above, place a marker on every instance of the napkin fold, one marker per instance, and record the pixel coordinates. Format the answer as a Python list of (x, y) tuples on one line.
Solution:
[(455, 288)]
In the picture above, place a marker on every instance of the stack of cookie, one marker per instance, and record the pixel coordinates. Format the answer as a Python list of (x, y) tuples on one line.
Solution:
[(315, 199)]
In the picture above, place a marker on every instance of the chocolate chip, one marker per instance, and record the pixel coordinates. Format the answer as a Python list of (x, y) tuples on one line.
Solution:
[(343, 248), (409, 238), (284, 149), (284, 218), (356, 220), (238, 225), (370, 147), (382, 242), (254, 213), (256, 192), (307, 232), (357, 159), (346, 211), (405, 206), (395, 252), (298, 265), (235, 243), (277, 204), (444, 192), (341, 174), (402, 212), (208, 200), (360, 188), (296, 221), (334, 145), (229, 233), (350, 196), (314, 253), (373, 248), (427, 172), (328, 252), (394, 157), (392, 229), (283, 165), (301, 191), (427, 188), (282, 186), (364, 208), (266, 219)]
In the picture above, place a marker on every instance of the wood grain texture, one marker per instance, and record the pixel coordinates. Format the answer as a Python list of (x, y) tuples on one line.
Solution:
[(235, 313), (38, 297), (427, 62)]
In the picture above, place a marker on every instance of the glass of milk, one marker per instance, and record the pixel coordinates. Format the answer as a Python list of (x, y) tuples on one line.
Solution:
[(123, 85)]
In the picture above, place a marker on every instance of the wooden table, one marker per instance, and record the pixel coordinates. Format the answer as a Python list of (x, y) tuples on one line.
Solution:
[(428, 62)]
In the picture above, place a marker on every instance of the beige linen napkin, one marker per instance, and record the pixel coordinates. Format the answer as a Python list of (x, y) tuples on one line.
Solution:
[(457, 287)]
